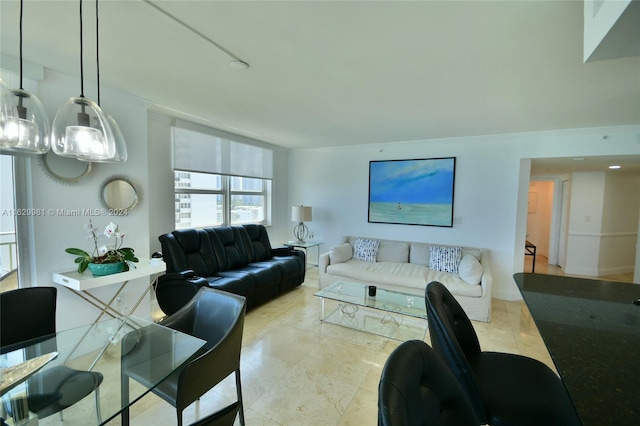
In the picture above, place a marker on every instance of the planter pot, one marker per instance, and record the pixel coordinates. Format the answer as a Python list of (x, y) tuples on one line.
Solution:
[(102, 269)]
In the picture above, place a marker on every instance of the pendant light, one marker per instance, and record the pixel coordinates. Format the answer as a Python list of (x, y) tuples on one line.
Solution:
[(121, 146), (8, 117), (80, 128), (28, 131)]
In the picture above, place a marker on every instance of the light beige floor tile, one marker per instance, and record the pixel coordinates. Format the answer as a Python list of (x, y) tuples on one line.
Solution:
[(362, 410), (306, 398)]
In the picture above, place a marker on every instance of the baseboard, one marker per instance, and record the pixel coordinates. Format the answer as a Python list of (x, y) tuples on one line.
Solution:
[(616, 270)]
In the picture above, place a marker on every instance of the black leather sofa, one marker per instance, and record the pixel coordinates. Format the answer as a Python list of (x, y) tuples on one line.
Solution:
[(238, 259)]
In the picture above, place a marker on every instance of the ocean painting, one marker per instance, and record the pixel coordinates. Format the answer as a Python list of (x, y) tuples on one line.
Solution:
[(412, 192)]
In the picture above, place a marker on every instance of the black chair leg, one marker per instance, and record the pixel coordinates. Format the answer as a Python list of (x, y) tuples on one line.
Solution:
[(240, 404)]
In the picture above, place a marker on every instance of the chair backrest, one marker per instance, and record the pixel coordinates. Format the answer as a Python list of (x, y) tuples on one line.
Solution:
[(185, 249), (230, 246), (217, 317), (26, 314), (416, 387), (454, 339), (258, 242)]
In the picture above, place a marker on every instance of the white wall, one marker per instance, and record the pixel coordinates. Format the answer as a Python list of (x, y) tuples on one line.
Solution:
[(492, 180), (619, 223), (585, 223), (603, 223), (610, 29)]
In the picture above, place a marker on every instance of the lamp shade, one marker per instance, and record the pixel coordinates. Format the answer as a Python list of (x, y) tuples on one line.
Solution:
[(81, 130), (31, 126), (301, 214), (8, 118), (121, 146)]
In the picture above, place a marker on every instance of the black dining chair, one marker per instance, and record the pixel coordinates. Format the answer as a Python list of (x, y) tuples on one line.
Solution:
[(215, 316), (417, 388), (28, 316), (504, 388)]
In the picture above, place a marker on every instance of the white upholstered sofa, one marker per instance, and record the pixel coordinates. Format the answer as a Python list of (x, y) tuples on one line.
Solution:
[(405, 266)]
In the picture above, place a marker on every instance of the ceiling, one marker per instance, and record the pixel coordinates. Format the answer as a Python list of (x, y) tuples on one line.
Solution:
[(331, 73), (557, 166)]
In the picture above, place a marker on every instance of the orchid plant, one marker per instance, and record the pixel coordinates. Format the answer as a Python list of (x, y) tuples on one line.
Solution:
[(104, 254)]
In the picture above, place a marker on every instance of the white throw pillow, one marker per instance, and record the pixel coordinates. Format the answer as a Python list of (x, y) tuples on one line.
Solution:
[(470, 270), (366, 250), (445, 258), (341, 253)]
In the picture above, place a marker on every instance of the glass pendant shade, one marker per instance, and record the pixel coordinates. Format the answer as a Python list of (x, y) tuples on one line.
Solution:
[(121, 146), (8, 119), (31, 126), (81, 130)]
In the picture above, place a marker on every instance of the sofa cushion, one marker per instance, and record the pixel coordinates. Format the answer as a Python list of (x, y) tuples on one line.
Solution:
[(341, 253), (366, 250), (393, 251), (419, 254), (470, 270), (445, 258), (394, 275), (382, 273)]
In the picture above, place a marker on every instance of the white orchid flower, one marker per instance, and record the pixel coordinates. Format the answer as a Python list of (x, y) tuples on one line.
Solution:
[(102, 250), (111, 230)]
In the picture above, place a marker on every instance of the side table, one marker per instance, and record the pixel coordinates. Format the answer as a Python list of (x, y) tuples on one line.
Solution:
[(306, 245), (80, 284), (530, 250)]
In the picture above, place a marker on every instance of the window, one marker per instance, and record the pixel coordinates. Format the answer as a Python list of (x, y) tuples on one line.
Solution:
[(204, 199), (219, 180)]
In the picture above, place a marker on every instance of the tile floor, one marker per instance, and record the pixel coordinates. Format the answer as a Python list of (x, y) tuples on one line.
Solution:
[(298, 371)]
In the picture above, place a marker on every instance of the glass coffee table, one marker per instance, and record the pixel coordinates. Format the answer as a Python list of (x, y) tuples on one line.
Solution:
[(392, 314)]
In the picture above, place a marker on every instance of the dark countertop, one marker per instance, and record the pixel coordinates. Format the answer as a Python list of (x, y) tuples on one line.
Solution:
[(592, 331)]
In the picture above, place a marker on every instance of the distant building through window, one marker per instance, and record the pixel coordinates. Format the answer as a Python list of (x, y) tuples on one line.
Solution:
[(204, 199)]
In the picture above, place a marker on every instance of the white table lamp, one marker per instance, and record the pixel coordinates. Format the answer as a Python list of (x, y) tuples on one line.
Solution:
[(301, 214)]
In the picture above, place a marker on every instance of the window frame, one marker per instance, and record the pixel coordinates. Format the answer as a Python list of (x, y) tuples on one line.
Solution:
[(225, 191)]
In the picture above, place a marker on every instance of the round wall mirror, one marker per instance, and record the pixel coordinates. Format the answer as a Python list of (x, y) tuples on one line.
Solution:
[(64, 169), (119, 192)]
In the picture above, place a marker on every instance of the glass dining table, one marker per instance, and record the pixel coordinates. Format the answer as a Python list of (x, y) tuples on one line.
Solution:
[(592, 331), (117, 348)]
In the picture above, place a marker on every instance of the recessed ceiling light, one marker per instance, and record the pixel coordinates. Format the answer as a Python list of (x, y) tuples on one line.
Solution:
[(242, 65), (614, 167)]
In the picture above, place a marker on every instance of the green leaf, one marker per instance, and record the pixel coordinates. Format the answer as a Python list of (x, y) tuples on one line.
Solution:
[(77, 252)]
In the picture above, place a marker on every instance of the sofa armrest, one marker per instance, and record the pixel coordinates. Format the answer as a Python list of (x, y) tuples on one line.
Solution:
[(182, 275), (324, 262), (175, 289), (487, 276), (282, 251)]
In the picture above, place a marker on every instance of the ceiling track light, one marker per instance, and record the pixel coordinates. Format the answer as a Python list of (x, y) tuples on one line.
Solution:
[(236, 62), (24, 125), (80, 128)]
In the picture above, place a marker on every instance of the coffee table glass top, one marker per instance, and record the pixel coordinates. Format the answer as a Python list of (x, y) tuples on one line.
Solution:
[(384, 300), (391, 314)]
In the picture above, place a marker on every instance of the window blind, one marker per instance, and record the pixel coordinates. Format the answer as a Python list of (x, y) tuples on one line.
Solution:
[(201, 149)]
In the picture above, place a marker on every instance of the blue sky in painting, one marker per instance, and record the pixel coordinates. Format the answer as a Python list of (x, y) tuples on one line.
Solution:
[(412, 181)]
